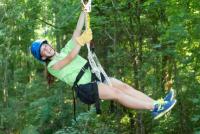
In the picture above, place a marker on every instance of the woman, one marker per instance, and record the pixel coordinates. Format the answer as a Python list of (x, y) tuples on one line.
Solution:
[(67, 64)]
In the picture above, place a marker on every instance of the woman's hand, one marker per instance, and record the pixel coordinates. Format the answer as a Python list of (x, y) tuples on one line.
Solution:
[(85, 37)]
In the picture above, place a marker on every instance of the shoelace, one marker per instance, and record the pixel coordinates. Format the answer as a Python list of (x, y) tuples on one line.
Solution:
[(161, 102)]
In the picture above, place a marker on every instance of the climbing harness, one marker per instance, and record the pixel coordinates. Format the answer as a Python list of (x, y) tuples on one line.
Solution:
[(75, 85)]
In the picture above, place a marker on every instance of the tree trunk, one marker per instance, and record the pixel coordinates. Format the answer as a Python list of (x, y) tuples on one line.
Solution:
[(138, 63)]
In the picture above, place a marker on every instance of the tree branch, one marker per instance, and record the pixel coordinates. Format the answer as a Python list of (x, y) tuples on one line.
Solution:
[(48, 23)]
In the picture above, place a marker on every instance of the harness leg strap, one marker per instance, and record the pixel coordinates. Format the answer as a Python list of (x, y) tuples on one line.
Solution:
[(74, 103), (97, 100)]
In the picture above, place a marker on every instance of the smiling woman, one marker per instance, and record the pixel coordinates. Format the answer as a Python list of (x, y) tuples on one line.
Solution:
[(46, 51), (42, 50), (71, 68)]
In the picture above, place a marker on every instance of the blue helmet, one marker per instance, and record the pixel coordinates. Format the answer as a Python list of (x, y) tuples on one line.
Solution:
[(35, 48)]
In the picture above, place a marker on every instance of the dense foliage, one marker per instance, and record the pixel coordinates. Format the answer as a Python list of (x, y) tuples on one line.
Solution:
[(150, 44)]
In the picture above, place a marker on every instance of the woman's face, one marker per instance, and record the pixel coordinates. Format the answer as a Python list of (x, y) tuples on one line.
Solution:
[(46, 51)]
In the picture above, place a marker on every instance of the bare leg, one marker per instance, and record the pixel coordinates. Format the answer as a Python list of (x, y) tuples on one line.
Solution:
[(110, 93), (130, 90)]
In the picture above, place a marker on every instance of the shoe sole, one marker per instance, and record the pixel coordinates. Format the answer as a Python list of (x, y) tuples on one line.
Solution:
[(160, 115), (173, 94)]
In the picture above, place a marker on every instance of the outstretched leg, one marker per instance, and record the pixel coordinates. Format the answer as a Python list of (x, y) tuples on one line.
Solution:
[(111, 93), (130, 90)]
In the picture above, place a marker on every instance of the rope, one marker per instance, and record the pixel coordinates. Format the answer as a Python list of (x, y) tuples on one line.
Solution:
[(97, 69), (87, 6)]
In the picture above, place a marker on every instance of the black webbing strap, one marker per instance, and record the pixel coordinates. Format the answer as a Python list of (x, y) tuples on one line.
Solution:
[(78, 77), (94, 78), (80, 74), (97, 105), (74, 101)]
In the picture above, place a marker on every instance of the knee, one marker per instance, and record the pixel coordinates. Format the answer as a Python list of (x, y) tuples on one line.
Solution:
[(126, 86), (118, 83), (116, 94), (123, 86)]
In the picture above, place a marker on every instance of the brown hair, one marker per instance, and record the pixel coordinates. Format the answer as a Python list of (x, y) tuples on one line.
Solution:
[(50, 78)]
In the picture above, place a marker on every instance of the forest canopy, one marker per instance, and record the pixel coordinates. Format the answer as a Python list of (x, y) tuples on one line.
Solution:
[(153, 45)]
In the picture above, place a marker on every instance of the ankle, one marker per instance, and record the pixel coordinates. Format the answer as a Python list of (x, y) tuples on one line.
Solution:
[(155, 106)]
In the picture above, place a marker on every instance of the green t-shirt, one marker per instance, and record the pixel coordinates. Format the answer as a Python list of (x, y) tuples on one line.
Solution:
[(69, 72)]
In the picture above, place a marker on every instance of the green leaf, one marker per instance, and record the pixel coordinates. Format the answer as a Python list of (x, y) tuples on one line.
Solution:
[(195, 118), (30, 130)]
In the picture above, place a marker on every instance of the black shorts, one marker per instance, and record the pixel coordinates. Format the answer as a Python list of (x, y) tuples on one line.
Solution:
[(88, 93)]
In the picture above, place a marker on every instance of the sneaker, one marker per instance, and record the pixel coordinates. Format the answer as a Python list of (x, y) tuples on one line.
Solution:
[(162, 107), (169, 96)]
